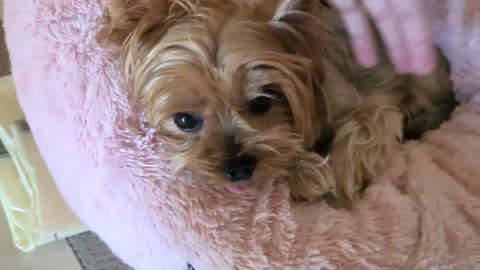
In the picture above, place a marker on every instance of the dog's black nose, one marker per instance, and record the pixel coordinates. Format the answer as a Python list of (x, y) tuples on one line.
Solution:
[(239, 168)]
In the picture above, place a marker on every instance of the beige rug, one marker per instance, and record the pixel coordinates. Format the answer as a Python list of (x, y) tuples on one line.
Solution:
[(93, 254)]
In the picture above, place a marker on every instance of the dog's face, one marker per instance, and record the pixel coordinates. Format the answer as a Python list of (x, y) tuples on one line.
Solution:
[(228, 86)]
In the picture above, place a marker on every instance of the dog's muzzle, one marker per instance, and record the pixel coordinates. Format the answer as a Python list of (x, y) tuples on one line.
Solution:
[(239, 168)]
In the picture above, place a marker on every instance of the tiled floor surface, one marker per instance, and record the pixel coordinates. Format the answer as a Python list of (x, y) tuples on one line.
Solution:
[(55, 256)]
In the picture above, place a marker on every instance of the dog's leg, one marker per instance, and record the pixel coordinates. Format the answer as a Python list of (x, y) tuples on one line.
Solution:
[(363, 147)]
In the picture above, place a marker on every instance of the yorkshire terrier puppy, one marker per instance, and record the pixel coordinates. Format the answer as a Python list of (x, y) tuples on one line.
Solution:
[(242, 91)]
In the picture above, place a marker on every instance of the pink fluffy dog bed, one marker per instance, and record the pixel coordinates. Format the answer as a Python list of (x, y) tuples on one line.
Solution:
[(109, 167)]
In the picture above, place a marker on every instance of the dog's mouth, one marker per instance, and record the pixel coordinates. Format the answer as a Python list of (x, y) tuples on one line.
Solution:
[(240, 187)]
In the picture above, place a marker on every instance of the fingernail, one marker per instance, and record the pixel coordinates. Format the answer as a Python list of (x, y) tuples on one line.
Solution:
[(425, 61), (367, 60), (403, 68), (402, 65), (365, 54), (423, 67)]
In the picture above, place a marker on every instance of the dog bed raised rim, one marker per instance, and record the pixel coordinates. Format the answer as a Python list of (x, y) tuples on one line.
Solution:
[(108, 165)]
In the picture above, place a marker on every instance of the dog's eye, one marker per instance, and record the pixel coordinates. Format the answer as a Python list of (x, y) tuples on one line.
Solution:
[(271, 89), (188, 122), (260, 105)]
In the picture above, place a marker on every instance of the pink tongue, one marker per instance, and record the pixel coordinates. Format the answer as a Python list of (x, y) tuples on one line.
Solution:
[(240, 187)]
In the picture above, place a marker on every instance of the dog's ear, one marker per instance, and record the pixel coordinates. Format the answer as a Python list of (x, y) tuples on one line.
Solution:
[(134, 27), (135, 19), (297, 25)]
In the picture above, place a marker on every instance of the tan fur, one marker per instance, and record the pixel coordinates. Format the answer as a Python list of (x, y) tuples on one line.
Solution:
[(213, 57)]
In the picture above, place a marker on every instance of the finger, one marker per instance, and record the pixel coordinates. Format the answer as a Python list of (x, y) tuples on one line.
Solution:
[(386, 20), (359, 30), (417, 34)]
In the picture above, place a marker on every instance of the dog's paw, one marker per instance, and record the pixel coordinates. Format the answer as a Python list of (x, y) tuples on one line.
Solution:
[(363, 148), (311, 178)]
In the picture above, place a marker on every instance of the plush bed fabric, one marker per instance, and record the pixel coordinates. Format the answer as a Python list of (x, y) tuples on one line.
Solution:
[(425, 213)]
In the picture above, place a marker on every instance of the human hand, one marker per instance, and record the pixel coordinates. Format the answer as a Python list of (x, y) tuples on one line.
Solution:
[(404, 26)]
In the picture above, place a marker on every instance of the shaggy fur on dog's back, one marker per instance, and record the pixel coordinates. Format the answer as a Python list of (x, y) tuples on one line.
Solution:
[(374, 109), (425, 213)]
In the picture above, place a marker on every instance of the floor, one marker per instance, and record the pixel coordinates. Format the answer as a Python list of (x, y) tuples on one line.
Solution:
[(55, 256)]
